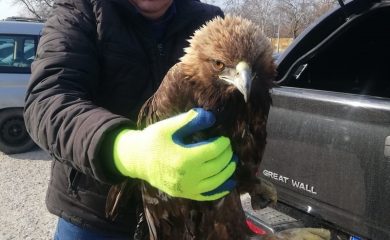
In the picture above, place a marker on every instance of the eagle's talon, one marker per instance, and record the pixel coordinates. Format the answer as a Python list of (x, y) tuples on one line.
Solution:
[(263, 194)]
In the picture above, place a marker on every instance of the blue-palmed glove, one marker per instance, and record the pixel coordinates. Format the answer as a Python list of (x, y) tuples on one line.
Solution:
[(198, 171)]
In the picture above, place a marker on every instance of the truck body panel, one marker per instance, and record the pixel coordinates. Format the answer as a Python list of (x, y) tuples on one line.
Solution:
[(328, 144), (13, 88), (325, 153)]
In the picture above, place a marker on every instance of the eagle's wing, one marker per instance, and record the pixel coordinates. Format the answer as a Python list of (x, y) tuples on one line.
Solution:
[(173, 89), (117, 196), (158, 205)]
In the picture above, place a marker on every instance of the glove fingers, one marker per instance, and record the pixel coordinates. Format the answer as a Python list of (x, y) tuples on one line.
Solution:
[(188, 123), (209, 150), (216, 165), (227, 186), (218, 193), (215, 181), (200, 197)]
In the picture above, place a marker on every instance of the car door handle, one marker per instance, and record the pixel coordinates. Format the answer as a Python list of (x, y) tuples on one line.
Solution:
[(387, 147)]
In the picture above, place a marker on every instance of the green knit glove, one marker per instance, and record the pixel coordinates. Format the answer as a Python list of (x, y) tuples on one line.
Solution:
[(198, 171)]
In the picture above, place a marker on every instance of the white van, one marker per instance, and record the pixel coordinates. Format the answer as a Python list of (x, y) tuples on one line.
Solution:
[(18, 43)]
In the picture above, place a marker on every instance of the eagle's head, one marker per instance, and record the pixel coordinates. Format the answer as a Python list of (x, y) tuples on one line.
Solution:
[(232, 52)]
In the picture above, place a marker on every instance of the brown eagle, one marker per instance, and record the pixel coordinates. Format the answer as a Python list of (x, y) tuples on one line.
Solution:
[(227, 69)]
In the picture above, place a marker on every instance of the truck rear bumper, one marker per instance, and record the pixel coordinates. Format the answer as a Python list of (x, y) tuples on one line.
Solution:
[(269, 219), (282, 216)]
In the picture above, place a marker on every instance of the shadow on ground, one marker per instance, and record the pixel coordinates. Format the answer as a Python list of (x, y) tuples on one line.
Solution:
[(34, 154)]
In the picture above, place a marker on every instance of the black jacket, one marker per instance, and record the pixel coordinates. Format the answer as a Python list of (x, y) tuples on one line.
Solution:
[(97, 62)]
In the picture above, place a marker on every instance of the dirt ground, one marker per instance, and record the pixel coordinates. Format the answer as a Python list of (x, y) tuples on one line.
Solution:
[(23, 182)]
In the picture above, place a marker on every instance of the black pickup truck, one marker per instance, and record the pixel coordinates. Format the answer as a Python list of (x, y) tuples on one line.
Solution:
[(328, 148)]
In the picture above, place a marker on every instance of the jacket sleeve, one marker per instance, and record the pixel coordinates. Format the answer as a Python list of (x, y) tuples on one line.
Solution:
[(60, 113)]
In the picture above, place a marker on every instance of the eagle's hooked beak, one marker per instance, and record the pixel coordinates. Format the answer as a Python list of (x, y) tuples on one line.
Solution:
[(241, 77)]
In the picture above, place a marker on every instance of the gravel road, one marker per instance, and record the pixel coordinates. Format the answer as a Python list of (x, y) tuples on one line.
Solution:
[(23, 182)]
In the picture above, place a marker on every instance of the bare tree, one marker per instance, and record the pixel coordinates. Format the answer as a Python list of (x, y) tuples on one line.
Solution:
[(36, 8), (294, 14), (259, 11), (324, 6), (278, 18)]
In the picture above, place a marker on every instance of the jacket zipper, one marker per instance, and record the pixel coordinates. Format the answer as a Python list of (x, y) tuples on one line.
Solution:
[(158, 62)]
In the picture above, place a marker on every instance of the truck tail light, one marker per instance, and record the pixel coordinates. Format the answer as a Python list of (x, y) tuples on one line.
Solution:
[(254, 228)]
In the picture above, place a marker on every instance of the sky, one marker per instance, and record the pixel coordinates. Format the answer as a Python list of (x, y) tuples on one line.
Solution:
[(8, 9), (219, 3)]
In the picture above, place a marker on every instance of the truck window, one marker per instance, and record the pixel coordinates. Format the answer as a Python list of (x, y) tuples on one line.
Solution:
[(354, 63), (17, 53)]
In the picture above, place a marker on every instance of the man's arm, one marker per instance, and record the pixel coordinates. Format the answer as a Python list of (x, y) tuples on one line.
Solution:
[(60, 114)]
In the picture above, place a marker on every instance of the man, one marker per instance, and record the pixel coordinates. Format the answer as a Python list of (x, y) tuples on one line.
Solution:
[(97, 62)]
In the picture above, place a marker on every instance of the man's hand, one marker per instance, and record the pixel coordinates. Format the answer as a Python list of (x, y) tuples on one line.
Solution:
[(158, 155), (302, 234)]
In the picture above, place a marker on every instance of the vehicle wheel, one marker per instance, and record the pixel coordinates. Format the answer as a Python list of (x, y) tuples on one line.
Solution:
[(13, 134)]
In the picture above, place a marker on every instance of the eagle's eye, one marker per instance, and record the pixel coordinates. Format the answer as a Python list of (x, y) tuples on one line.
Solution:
[(218, 65)]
